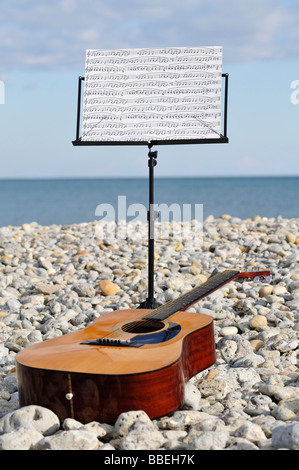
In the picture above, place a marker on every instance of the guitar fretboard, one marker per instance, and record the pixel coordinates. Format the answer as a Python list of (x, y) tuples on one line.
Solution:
[(189, 298)]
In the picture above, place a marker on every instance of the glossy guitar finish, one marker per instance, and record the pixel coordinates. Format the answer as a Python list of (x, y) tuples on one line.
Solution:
[(126, 360), (105, 381)]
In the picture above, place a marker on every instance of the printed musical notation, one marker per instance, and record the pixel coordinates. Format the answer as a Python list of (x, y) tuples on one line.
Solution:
[(152, 94)]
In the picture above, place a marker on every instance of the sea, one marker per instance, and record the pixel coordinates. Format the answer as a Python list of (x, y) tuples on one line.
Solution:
[(75, 201)]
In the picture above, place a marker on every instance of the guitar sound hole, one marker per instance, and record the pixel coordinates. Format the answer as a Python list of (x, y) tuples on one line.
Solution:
[(143, 326)]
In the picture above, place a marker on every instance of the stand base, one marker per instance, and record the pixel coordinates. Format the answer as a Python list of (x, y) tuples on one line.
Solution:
[(149, 304)]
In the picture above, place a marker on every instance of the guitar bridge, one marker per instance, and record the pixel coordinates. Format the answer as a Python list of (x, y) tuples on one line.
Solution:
[(113, 342), (138, 340)]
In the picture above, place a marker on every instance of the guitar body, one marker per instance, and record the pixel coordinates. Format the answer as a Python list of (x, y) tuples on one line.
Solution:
[(126, 360), (92, 382)]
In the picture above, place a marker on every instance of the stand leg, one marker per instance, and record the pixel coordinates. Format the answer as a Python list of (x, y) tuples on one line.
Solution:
[(151, 216)]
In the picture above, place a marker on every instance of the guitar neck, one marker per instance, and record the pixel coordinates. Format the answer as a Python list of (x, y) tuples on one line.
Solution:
[(189, 298)]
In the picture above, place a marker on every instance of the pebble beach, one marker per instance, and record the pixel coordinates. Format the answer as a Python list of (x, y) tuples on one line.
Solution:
[(57, 279)]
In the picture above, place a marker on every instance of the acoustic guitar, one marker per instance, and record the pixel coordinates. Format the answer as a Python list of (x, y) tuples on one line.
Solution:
[(126, 360)]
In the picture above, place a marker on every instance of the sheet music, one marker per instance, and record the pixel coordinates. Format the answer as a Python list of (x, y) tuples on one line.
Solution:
[(152, 94)]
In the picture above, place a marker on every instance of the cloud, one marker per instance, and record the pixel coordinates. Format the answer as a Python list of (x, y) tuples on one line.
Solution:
[(56, 33)]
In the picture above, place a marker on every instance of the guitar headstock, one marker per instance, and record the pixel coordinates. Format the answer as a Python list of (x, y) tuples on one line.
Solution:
[(256, 275)]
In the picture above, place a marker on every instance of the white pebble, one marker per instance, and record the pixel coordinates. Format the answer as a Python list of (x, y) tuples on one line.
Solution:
[(228, 330), (50, 285)]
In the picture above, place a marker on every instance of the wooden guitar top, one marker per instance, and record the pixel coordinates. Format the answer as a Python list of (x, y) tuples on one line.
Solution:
[(67, 353)]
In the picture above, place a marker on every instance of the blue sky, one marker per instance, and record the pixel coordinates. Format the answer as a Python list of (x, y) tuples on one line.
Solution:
[(42, 50)]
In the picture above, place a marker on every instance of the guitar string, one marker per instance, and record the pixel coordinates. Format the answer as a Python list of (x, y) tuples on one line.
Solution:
[(147, 319), (152, 315), (135, 323)]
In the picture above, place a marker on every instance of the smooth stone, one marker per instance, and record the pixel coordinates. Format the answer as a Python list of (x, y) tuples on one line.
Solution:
[(100, 430), (27, 227), (228, 330), (249, 360), (254, 378), (26, 437), (69, 238), (174, 439), (265, 290), (233, 347), (216, 387), (47, 289), (142, 437), (294, 286), (13, 305), (209, 440), (42, 419), (108, 287), (286, 436), (251, 431), (195, 270), (192, 396), (284, 393), (287, 410), (290, 237), (256, 344), (127, 420), (258, 404), (69, 440), (85, 290), (279, 290), (258, 322), (182, 419), (70, 424), (240, 443), (291, 259), (44, 263)]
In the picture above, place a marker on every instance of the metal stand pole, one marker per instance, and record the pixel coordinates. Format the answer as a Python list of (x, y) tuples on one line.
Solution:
[(79, 107), (151, 216)]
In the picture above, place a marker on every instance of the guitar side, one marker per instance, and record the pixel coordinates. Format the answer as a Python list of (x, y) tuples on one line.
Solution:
[(97, 383)]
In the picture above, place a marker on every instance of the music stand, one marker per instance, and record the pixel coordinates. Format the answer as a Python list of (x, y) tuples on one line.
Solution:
[(152, 97)]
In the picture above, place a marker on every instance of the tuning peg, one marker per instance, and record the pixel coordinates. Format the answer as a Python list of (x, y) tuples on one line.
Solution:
[(263, 278)]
